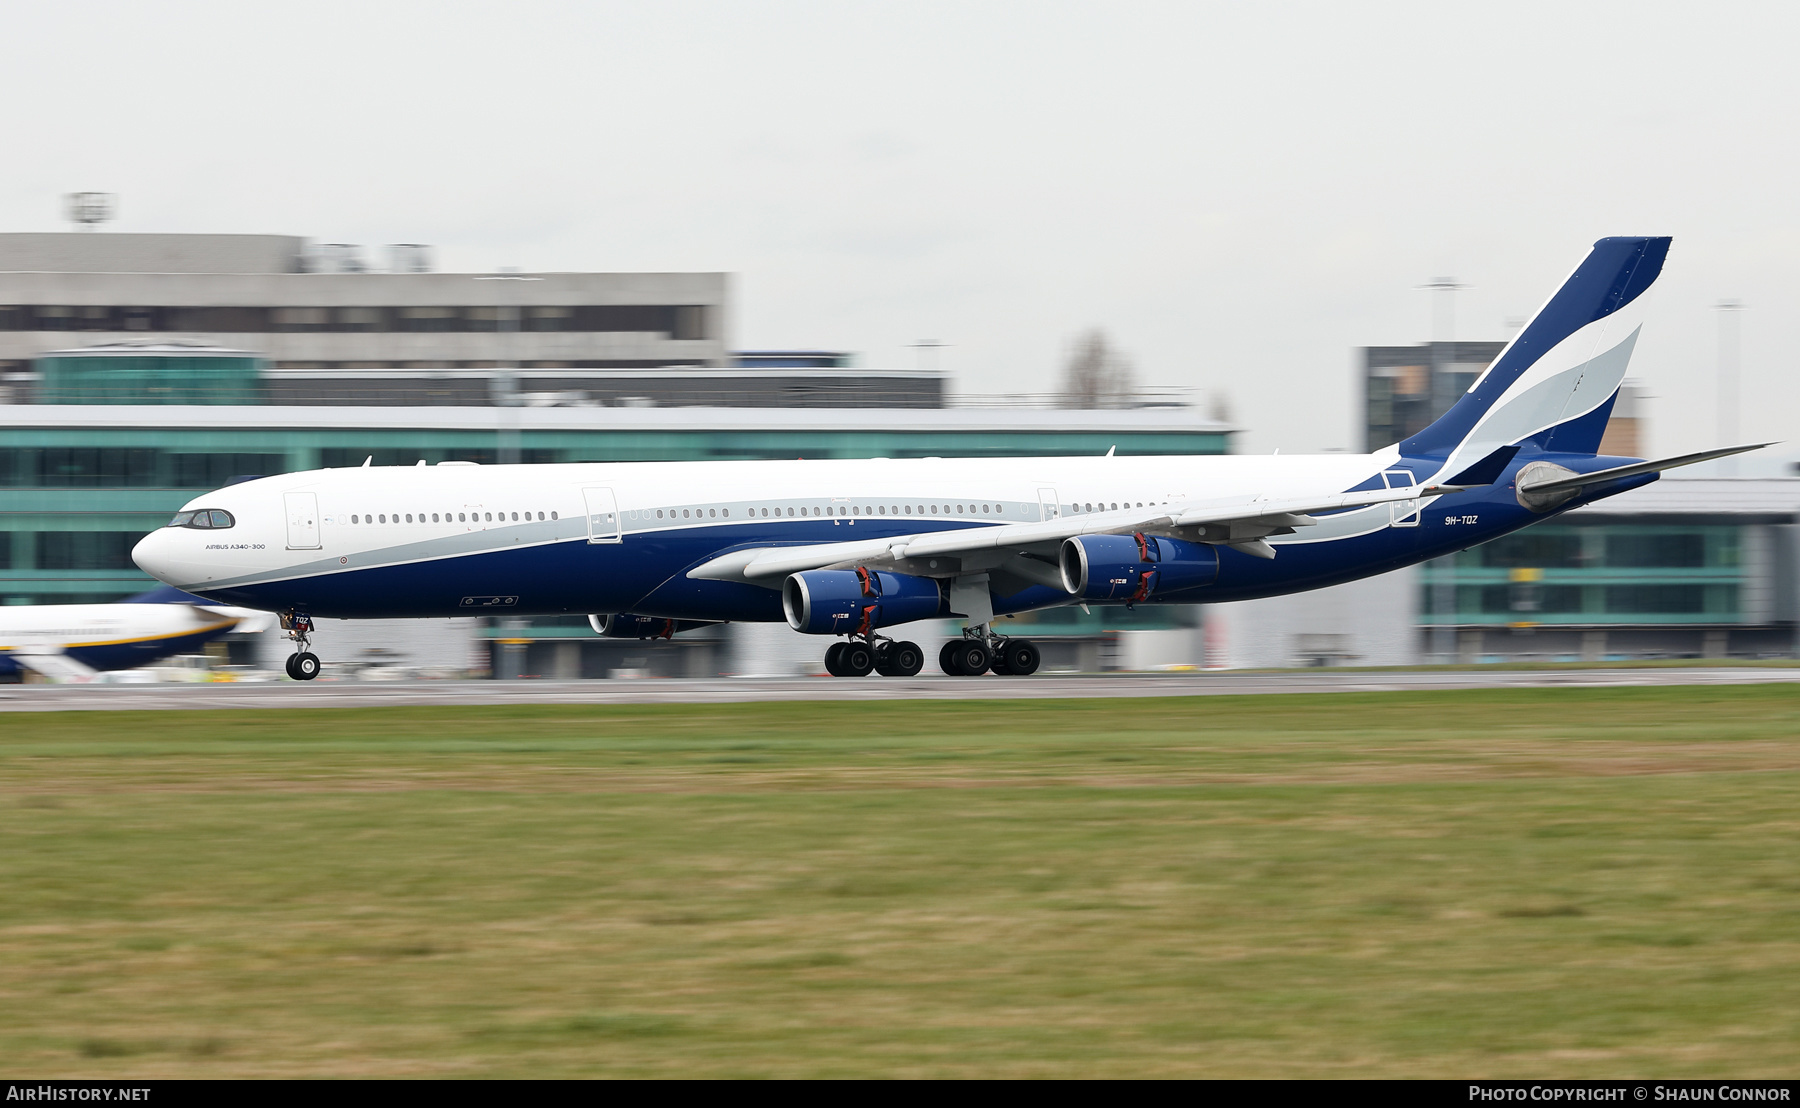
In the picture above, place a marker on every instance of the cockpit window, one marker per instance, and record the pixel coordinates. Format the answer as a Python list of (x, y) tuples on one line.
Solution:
[(204, 519)]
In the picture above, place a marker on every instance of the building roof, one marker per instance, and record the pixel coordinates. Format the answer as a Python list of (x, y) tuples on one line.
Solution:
[(151, 349), (1704, 496), (106, 252)]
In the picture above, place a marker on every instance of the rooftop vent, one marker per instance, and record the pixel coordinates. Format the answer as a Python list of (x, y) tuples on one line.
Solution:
[(87, 210)]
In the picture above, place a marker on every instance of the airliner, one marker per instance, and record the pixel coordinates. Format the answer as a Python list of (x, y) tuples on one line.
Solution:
[(76, 642), (848, 550)]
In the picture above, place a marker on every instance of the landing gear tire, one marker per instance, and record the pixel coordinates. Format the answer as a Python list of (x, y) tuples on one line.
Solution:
[(856, 660), (1017, 658), (303, 666), (833, 654), (900, 659), (971, 658), (947, 659)]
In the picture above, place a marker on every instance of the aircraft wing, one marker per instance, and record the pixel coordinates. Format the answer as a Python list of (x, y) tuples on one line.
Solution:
[(1242, 524), (53, 664)]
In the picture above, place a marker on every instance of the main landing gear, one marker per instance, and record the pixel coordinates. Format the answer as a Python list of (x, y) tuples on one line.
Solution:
[(973, 656), (883, 656), (303, 666), (970, 656)]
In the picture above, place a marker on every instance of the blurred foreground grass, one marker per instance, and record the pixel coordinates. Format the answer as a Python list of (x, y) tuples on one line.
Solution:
[(1564, 882)]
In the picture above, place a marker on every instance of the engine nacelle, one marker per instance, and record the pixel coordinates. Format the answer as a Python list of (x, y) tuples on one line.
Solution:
[(1134, 567), (854, 601), (628, 626)]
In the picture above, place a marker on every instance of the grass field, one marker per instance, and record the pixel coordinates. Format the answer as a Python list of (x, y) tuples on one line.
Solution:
[(1547, 883)]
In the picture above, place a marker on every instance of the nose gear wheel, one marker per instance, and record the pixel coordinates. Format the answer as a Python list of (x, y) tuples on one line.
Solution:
[(304, 665)]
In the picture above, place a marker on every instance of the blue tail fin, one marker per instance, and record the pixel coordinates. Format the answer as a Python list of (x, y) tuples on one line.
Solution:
[(1555, 384)]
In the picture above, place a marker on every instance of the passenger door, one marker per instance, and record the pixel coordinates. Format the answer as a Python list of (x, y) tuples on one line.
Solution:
[(1049, 507), (602, 515), (1401, 513), (302, 520)]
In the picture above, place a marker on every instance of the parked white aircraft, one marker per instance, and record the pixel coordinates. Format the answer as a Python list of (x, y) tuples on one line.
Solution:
[(74, 642), (845, 548)]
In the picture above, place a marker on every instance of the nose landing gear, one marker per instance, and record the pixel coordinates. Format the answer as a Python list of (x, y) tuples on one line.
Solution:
[(302, 666)]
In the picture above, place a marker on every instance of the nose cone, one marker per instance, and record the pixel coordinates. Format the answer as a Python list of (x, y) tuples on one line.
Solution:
[(153, 555)]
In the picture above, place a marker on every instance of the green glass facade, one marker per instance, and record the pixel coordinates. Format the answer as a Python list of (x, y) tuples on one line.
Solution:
[(1596, 573), (149, 378)]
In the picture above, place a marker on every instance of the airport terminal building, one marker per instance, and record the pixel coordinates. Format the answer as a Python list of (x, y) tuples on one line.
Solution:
[(329, 324)]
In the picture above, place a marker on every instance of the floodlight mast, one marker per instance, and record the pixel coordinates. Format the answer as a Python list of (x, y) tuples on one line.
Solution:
[(1730, 312), (506, 377), (1443, 316), (1443, 593)]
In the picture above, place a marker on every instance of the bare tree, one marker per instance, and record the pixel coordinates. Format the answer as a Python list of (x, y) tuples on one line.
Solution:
[(1096, 375)]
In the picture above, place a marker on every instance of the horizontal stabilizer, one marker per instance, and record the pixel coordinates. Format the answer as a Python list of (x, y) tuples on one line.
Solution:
[(1582, 480)]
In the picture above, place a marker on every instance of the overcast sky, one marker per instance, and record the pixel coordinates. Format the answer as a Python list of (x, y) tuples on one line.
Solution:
[(1238, 194)]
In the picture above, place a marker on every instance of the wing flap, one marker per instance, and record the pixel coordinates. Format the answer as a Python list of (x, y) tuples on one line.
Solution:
[(1263, 517)]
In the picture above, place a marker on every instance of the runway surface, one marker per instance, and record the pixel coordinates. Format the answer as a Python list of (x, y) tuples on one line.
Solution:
[(347, 694)]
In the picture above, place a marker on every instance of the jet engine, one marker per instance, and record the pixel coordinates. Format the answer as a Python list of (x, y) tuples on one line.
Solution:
[(1134, 567), (628, 626), (855, 601)]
